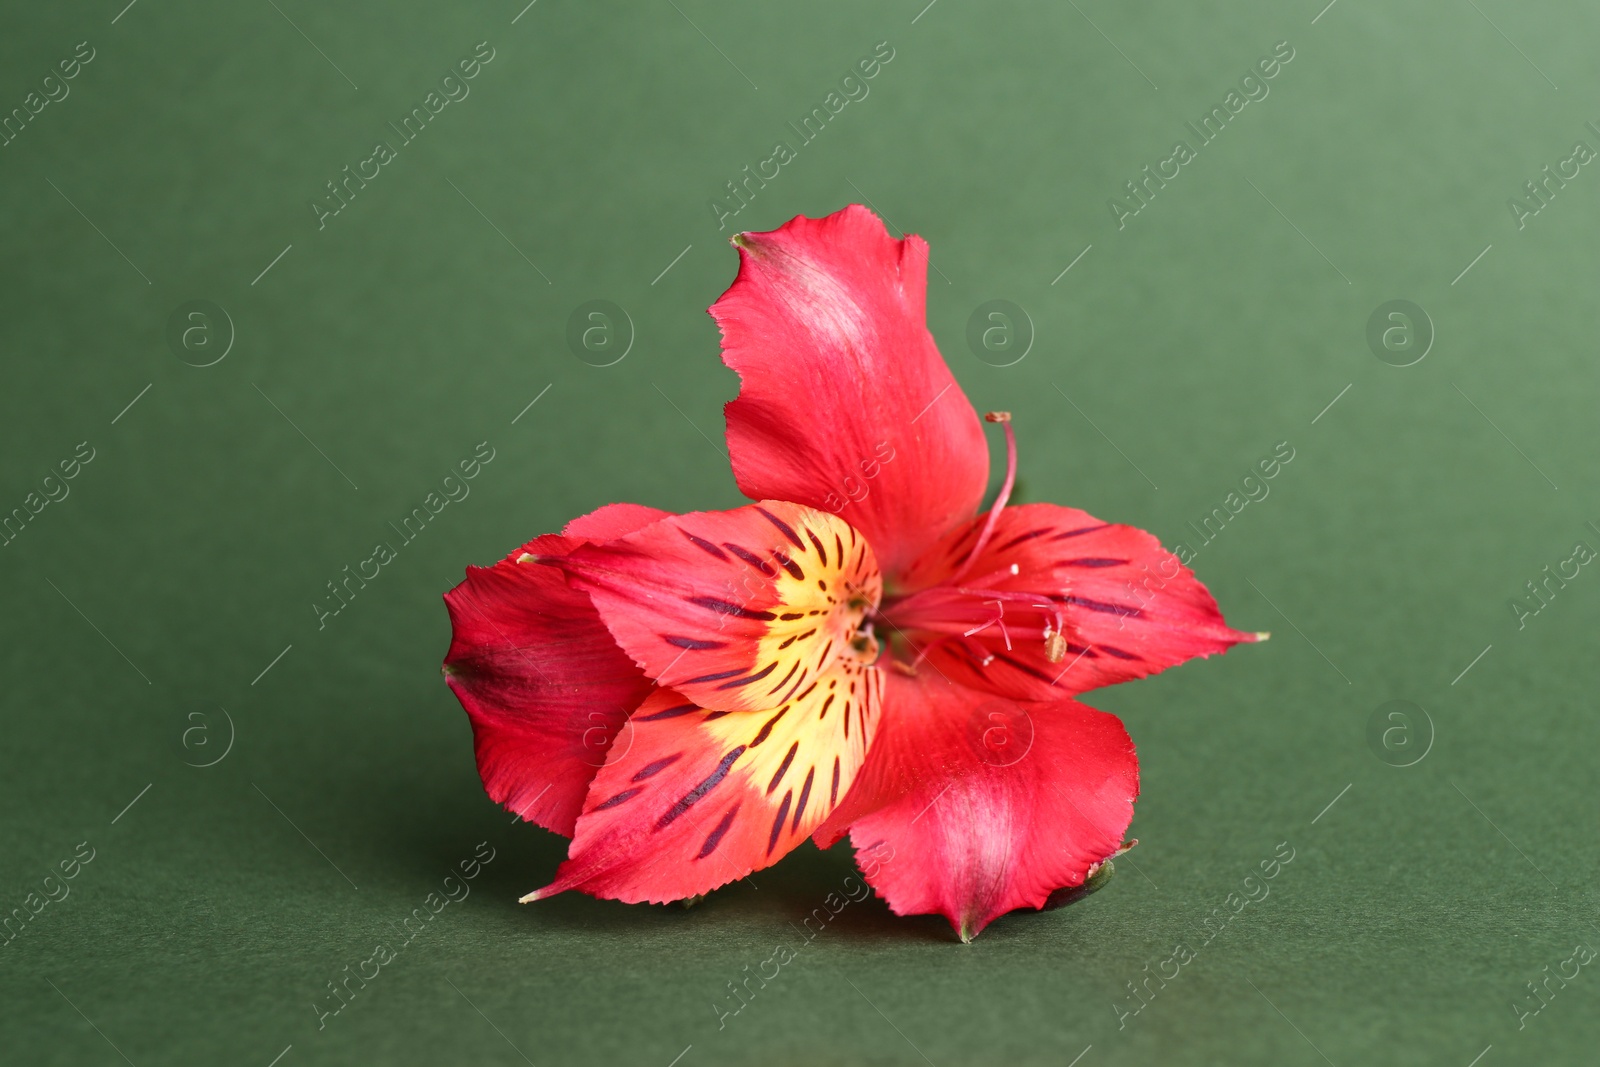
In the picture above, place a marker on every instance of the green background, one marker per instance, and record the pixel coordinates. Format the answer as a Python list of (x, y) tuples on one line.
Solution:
[(1219, 322)]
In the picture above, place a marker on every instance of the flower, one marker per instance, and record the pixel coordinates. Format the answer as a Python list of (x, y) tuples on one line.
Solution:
[(859, 652)]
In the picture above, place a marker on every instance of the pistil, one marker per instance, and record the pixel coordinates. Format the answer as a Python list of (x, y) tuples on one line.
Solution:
[(1004, 419)]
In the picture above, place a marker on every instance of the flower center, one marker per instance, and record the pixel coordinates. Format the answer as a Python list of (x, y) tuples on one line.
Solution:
[(822, 603)]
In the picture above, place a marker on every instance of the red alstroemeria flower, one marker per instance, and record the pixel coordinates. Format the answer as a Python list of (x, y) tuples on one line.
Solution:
[(861, 652)]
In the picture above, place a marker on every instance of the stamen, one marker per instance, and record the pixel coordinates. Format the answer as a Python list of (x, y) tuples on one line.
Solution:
[(1004, 419), (956, 610), (998, 620)]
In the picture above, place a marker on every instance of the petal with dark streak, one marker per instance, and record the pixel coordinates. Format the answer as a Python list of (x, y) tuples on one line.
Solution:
[(701, 798), (736, 609), (1124, 607)]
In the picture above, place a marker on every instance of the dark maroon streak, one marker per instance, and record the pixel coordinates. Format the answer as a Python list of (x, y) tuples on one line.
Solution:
[(783, 528), (650, 770), (783, 768), (777, 824), (700, 790), (715, 837), (700, 542)]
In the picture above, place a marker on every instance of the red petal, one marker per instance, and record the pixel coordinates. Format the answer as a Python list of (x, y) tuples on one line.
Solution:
[(1129, 608), (735, 609), (692, 799), (542, 680), (971, 806), (612, 521), (845, 403)]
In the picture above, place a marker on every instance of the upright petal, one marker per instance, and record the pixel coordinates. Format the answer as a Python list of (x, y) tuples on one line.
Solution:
[(845, 403), (696, 799), (539, 675), (736, 609), (971, 806), (1120, 606)]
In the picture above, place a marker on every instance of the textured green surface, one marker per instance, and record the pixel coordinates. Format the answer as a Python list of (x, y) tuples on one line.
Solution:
[(191, 549)]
